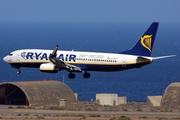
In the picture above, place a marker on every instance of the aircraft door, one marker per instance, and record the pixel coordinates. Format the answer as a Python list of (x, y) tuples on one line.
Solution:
[(124, 61), (18, 56)]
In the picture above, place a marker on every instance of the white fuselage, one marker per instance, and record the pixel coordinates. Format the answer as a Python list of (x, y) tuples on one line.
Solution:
[(83, 59)]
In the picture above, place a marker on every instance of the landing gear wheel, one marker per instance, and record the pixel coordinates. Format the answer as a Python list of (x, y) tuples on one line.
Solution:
[(71, 75), (18, 71), (86, 75)]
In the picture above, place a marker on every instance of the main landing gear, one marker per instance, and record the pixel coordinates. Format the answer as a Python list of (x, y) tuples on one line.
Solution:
[(71, 75), (85, 75)]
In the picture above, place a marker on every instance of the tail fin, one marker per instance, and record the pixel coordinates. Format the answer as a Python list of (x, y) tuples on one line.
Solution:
[(145, 44)]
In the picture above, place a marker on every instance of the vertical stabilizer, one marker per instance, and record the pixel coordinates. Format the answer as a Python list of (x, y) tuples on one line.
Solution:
[(145, 44)]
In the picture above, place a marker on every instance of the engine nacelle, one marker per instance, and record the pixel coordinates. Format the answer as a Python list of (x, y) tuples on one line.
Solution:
[(48, 67)]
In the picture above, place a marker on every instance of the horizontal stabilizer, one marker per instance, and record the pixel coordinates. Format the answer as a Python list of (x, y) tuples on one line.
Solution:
[(161, 57)]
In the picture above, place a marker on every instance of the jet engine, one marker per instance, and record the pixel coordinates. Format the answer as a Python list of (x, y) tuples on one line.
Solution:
[(49, 68)]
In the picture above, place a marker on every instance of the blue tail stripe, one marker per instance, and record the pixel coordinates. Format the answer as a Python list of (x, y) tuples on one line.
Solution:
[(145, 44)]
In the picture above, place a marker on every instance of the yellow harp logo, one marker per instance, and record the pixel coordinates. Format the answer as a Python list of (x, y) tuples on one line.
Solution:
[(146, 41)]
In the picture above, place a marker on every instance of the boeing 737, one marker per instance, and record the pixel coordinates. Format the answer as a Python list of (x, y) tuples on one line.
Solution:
[(52, 61)]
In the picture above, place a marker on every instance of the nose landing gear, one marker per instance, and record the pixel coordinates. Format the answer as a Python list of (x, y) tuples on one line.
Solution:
[(18, 71)]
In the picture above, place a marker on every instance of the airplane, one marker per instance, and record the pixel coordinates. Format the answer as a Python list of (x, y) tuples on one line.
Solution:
[(53, 61)]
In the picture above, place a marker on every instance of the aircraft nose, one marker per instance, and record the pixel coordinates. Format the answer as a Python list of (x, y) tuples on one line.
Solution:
[(5, 59)]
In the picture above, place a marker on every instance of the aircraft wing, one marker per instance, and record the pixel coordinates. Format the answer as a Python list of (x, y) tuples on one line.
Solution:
[(61, 64)]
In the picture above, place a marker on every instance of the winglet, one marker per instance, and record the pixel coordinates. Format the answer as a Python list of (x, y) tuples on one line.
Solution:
[(54, 53)]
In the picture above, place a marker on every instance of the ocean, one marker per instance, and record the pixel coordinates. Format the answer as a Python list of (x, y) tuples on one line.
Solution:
[(135, 84)]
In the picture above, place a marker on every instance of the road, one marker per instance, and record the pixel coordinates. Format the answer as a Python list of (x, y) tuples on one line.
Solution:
[(108, 113)]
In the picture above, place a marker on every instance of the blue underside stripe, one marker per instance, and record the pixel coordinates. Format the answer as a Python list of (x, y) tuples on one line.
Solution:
[(88, 67)]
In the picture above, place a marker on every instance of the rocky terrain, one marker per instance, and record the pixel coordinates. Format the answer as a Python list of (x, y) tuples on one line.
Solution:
[(130, 106), (92, 106)]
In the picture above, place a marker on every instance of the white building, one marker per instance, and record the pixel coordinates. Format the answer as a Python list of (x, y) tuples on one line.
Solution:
[(110, 99)]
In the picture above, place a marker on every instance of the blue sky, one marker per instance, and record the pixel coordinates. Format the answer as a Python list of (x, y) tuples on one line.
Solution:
[(90, 10)]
